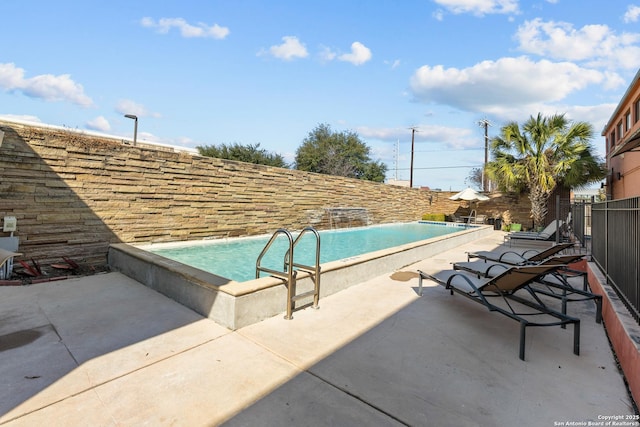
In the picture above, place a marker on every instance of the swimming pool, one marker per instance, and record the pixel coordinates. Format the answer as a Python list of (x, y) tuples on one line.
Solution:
[(236, 258), (235, 304)]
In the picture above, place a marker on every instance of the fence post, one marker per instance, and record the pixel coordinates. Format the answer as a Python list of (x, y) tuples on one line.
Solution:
[(557, 219), (606, 239)]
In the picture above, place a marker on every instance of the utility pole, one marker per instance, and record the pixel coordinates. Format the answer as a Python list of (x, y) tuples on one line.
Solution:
[(413, 132), (486, 123), (397, 156)]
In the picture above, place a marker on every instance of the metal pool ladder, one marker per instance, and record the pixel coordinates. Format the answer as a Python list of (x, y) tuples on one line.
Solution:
[(289, 273)]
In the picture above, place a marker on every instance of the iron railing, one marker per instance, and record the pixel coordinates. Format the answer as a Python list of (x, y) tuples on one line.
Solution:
[(581, 222), (616, 247)]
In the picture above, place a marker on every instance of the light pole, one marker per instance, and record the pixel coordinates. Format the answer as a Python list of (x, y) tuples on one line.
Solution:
[(485, 123), (135, 126)]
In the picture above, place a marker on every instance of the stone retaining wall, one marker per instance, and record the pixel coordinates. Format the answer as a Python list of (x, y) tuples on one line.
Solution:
[(73, 194)]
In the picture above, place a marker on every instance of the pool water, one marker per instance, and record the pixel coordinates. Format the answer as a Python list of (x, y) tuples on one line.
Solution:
[(236, 258)]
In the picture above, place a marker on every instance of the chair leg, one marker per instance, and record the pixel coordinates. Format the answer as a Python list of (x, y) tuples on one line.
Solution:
[(598, 301), (576, 338), (523, 330)]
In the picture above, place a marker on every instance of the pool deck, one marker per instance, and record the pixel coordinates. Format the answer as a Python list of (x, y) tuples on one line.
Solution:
[(106, 350)]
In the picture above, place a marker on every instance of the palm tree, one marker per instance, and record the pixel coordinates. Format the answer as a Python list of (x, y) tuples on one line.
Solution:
[(547, 152)]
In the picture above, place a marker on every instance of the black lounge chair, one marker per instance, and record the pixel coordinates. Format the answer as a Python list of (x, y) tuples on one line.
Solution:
[(504, 286), (547, 234), (530, 256), (555, 284)]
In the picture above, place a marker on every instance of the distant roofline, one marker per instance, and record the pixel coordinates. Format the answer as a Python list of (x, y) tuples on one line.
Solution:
[(621, 103)]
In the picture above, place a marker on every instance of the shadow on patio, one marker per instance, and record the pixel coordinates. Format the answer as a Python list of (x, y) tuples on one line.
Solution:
[(374, 354)]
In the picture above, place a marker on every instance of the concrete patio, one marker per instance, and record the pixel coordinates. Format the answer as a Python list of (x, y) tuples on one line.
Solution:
[(106, 350)]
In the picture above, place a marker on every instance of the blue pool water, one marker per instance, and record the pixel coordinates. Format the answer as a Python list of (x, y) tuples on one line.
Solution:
[(236, 258)]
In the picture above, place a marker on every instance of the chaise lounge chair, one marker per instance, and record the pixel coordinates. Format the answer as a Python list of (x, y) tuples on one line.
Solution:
[(556, 284), (530, 256), (504, 286), (6, 263), (548, 233)]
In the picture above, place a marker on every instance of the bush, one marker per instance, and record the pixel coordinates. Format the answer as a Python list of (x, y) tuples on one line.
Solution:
[(433, 217)]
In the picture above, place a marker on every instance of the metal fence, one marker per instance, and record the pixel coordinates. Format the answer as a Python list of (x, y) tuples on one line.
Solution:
[(615, 247), (581, 222)]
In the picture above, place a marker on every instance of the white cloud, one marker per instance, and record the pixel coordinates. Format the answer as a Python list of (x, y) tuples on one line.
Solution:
[(127, 106), (506, 83), (632, 14), (394, 64), (185, 141), (149, 137), (99, 123), (597, 115), (326, 54), (290, 48), (20, 118), (187, 30), (613, 80), (478, 7), (452, 136), (44, 86), (11, 77), (358, 56), (597, 45)]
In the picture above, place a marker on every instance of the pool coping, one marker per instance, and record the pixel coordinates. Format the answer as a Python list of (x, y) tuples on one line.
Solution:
[(237, 304)]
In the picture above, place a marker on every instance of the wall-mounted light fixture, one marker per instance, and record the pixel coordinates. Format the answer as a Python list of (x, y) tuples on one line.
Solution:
[(10, 224), (135, 126)]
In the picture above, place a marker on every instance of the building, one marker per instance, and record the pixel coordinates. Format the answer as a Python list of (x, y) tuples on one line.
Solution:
[(398, 182), (585, 194), (622, 136)]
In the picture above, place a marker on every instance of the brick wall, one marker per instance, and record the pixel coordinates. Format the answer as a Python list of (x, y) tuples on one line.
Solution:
[(73, 194)]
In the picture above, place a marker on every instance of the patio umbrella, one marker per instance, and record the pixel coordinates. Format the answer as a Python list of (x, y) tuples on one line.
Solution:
[(469, 194)]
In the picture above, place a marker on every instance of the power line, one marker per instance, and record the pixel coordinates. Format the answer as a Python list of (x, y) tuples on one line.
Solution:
[(441, 151), (444, 167)]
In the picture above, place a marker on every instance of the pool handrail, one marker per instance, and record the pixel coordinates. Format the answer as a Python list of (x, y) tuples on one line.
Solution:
[(289, 274), (314, 271)]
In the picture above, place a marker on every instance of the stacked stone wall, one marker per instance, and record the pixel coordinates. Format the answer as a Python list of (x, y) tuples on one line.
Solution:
[(73, 194)]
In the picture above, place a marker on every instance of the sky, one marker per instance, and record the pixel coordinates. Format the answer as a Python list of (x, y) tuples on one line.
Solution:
[(268, 72)]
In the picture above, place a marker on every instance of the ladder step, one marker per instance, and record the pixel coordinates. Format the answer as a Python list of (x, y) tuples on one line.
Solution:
[(303, 295), (307, 268)]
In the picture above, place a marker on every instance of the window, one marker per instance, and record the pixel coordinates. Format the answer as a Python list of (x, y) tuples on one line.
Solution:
[(613, 138), (627, 121), (637, 112), (620, 131)]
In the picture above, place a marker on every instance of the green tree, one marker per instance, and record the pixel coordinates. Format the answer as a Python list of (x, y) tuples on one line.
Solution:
[(243, 153), (547, 152), (338, 153)]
